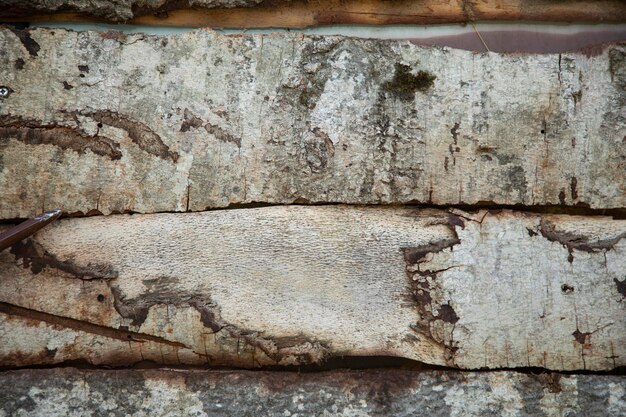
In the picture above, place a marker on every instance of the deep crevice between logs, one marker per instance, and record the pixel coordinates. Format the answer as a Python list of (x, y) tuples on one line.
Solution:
[(331, 364), (328, 363), (571, 210)]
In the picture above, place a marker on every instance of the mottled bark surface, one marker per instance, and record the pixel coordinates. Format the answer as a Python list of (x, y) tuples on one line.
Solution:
[(70, 392), (115, 123), (298, 285)]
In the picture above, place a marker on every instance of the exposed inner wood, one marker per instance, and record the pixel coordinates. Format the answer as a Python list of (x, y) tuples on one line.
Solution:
[(297, 285)]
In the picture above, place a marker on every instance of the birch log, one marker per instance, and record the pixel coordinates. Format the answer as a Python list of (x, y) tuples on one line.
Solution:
[(132, 123), (298, 285), (72, 392)]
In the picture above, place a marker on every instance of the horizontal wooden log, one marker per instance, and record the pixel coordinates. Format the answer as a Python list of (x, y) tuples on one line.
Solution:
[(118, 10), (114, 123), (298, 285), (73, 392), (284, 13)]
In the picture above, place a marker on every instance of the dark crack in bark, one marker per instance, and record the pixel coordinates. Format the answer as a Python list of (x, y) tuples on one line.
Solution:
[(27, 41), (142, 135), (191, 120), (83, 326), (621, 286), (36, 258), (425, 292), (573, 241), (162, 291), (35, 132)]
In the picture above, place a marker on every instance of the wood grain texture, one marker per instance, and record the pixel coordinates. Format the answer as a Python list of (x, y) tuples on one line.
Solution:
[(73, 392), (298, 285), (114, 123), (284, 13)]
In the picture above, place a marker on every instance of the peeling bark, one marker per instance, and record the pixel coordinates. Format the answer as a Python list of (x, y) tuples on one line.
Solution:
[(33, 132), (32, 256), (140, 134), (298, 285), (113, 123)]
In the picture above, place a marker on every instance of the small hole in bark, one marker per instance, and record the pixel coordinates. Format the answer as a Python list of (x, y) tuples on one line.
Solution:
[(543, 131), (101, 297), (567, 288), (99, 125)]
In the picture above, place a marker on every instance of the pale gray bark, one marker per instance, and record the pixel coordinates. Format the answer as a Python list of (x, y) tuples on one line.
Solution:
[(298, 285), (72, 393), (115, 123)]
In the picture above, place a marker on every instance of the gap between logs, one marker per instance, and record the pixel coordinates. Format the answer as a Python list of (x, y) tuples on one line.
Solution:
[(578, 210)]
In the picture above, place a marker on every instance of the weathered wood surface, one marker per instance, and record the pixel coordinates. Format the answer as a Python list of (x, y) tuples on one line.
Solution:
[(115, 10), (115, 123), (297, 285), (71, 392), (303, 13)]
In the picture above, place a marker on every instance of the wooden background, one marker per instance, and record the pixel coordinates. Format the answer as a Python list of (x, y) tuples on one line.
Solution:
[(291, 202)]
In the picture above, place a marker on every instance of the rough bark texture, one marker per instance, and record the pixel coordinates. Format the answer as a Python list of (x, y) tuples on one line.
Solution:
[(114, 10), (298, 285), (116, 123), (71, 392), (301, 13)]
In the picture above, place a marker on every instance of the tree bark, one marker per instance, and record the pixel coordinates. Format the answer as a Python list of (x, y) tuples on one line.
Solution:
[(104, 122), (299, 285), (116, 11), (73, 392)]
